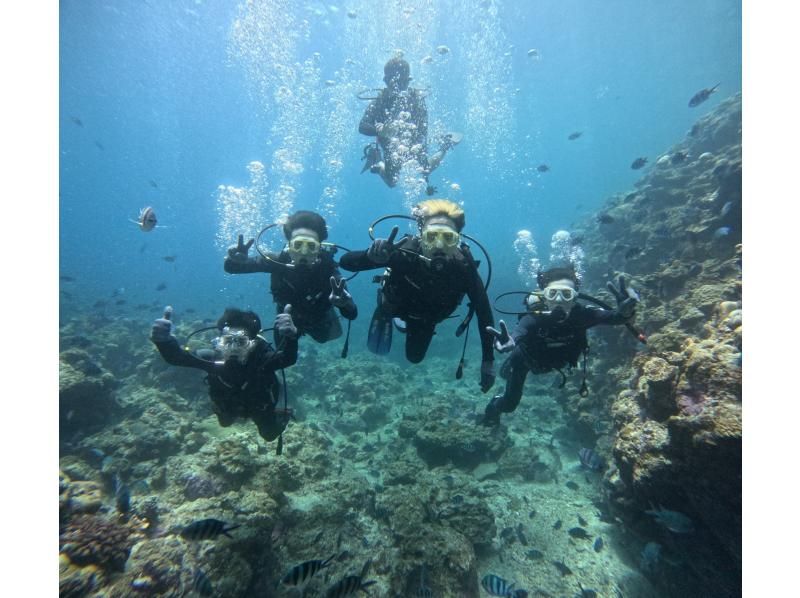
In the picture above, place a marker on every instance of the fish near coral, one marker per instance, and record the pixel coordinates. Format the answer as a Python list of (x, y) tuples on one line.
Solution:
[(299, 575), (201, 584), (580, 533), (207, 529), (701, 96), (147, 220), (672, 520), (591, 460), (638, 163), (496, 585), (575, 135)]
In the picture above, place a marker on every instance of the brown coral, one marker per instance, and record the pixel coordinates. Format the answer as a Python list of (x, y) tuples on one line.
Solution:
[(91, 540)]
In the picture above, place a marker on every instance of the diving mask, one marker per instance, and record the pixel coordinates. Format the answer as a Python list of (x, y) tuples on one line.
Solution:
[(560, 296), (233, 342), (439, 236), (303, 248)]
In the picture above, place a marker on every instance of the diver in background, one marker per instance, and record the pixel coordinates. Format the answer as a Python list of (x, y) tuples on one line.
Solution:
[(304, 275), (398, 118), (240, 365), (552, 335), (426, 278)]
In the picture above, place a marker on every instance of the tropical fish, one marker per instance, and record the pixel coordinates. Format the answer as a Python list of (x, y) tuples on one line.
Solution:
[(207, 529), (99, 145), (638, 163), (701, 96), (201, 584), (350, 584), (572, 485), (161, 286), (672, 520), (423, 591), (575, 135), (153, 184), (442, 50), (587, 592), (591, 460), (76, 120), (543, 168), (722, 231), (122, 495), (496, 585), (580, 533), (650, 556), (598, 544), (562, 568), (557, 524), (66, 278), (301, 574), (534, 554), (170, 258), (147, 219), (582, 521)]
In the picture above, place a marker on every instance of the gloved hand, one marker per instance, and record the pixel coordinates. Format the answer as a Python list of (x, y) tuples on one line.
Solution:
[(162, 327), (339, 296), (626, 297), (503, 341), (381, 249), (238, 252), (284, 325), (487, 375)]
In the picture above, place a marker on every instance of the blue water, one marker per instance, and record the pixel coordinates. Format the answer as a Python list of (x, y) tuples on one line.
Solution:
[(178, 94)]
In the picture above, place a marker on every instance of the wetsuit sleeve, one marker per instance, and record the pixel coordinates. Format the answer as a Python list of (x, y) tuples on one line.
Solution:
[(524, 327), (173, 354), (356, 261), (370, 118), (349, 309), (595, 316), (480, 301), (284, 357), (253, 264)]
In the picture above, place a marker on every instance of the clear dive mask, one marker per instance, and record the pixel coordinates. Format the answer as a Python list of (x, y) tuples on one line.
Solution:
[(233, 342), (554, 293)]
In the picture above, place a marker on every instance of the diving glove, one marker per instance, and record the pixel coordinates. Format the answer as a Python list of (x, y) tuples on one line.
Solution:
[(238, 253), (626, 297), (487, 375), (503, 342), (162, 327), (284, 325), (381, 249), (339, 296)]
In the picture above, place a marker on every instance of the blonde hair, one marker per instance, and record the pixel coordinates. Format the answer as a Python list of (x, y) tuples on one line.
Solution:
[(439, 207)]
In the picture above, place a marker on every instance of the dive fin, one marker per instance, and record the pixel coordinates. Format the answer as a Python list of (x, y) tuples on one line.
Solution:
[(372, 155), (379, 340)]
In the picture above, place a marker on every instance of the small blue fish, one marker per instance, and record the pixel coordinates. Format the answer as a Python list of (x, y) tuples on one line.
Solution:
[(598, 544), (702, 95), (591, 460), (496, 585), (122, 495), (650, 557)]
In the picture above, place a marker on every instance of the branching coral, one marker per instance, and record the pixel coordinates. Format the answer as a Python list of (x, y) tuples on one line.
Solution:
[(91, 540)]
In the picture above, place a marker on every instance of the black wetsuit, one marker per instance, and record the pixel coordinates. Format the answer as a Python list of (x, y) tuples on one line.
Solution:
[(423, 296), (305, 288), (249, 390), (544, 344), (411, 132)]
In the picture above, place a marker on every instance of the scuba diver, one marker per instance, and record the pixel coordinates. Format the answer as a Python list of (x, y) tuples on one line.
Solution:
[(398, 118), (240, 365), (552, 334), (304, 275), (426, 278)]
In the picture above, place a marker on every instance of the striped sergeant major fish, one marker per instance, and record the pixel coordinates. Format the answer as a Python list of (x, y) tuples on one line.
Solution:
[(497, 586), (207, 529), (299, 575), (351, 584)]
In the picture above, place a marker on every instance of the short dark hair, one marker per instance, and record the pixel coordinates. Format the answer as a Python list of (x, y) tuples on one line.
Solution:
[(306, 219), (236, 318), (396, 66), (545, 277)]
